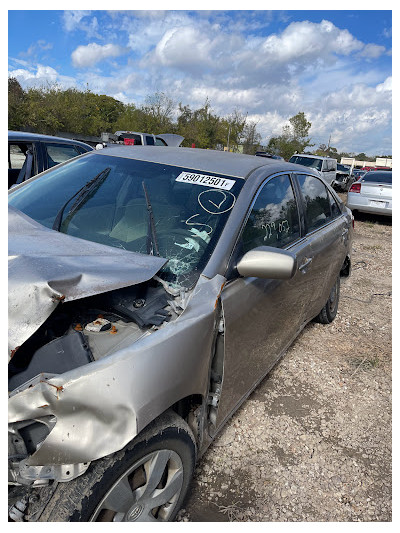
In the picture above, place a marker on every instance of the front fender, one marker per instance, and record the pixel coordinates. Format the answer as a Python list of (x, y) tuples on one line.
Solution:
[(103, 405)]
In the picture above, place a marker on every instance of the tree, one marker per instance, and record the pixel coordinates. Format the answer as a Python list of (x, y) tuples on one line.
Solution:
[(16, 105), (158, 109), (327, 151), (294, 137), (200, 126), (232, 129), (251, 138)]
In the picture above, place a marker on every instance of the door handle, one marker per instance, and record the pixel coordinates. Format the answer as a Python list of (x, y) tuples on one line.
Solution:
[(345, 232), (307, 261)]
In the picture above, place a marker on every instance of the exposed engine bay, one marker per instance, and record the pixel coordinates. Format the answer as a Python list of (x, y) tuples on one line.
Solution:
[(81, 331)]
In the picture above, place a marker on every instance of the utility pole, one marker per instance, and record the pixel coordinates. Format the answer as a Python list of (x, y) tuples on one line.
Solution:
[(229, 133), (329, 142)]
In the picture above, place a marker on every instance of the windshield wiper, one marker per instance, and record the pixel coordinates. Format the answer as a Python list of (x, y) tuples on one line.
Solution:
[(82, 196), (152, 245)]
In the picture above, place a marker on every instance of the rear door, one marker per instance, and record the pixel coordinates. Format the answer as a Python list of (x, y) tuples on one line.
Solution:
[(262, 316), (327, 233)]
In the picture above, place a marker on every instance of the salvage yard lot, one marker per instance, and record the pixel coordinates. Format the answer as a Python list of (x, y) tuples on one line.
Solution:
[(313, 441)]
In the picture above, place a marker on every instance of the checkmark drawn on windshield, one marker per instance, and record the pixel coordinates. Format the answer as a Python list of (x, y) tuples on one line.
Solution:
[(218, 206)]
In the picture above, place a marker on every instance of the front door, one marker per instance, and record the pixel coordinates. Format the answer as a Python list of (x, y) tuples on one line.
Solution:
[(262, 316)]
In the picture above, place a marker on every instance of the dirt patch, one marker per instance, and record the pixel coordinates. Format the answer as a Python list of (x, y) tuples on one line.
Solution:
[(313, 442)]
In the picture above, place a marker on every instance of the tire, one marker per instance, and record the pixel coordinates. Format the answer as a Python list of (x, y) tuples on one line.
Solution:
[(146, 481), (329, 311)]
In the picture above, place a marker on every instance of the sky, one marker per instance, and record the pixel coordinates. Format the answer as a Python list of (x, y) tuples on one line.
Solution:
[(335, 66)]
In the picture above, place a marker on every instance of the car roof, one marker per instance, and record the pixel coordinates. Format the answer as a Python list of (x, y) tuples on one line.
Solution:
[(215, 161), (29, 136), (313, 156)]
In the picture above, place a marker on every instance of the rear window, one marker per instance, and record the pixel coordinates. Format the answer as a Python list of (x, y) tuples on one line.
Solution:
[(378, 177)]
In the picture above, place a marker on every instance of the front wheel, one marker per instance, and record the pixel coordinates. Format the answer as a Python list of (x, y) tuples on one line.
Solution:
[(329, 311), (144, 482)]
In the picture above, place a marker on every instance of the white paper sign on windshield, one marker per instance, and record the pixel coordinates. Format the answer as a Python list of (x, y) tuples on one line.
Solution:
[(207, 181)]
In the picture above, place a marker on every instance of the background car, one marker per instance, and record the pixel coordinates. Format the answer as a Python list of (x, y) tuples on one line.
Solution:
[(342, 180), (134, 138), (372, 193), (358, 173), (151, 290), (32, 153), (325, 166), (266, 154)]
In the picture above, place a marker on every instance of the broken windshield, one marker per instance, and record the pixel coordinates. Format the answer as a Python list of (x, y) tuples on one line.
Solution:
[(189, 208)]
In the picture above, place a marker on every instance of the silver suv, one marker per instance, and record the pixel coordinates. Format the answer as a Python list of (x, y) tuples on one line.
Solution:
[(325, 166)]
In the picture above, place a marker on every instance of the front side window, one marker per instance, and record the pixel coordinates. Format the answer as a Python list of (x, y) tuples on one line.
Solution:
[(274, 219), (58, 153), (189, 207), (317, 203)]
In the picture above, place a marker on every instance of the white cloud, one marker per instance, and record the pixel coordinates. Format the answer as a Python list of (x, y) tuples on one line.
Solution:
[(356, 117), (42, 75), (40, 45), (202, 48), (89, 55), (372, 50), (309, 40), (73, 19), (385, 86)]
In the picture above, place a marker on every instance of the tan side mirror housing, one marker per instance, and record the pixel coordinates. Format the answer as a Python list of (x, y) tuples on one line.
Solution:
[(267, 262)]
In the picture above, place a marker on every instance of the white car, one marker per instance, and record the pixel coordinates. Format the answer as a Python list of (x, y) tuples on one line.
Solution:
[(372, 193)]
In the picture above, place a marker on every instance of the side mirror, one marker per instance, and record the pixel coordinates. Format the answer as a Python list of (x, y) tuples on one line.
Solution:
[(267, 262)]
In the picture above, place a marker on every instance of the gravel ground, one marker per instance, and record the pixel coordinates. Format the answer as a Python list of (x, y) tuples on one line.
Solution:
[(313, 441)]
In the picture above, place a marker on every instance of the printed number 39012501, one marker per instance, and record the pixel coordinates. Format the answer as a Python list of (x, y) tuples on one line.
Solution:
[(205, 180)]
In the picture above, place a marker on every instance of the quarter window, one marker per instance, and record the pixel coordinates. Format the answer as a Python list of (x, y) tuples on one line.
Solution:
[(317, 203), (274, 219)]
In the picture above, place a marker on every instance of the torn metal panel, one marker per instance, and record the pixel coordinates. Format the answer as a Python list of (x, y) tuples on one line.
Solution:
[(46, 267), (103, 405)]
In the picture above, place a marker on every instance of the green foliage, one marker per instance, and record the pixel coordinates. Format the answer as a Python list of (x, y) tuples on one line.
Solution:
[(294, 137), (51, 110), (323, 150), (16, 105), (200, 126), (251, 139)]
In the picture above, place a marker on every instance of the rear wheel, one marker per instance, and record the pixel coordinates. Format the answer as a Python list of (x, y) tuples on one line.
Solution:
[(144, 482), (329, 311)]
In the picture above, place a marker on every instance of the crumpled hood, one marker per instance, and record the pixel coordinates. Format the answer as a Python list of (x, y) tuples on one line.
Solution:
[(46, 267)]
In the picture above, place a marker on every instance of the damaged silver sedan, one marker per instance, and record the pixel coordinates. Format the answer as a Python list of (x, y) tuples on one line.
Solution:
[(150, 291)]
